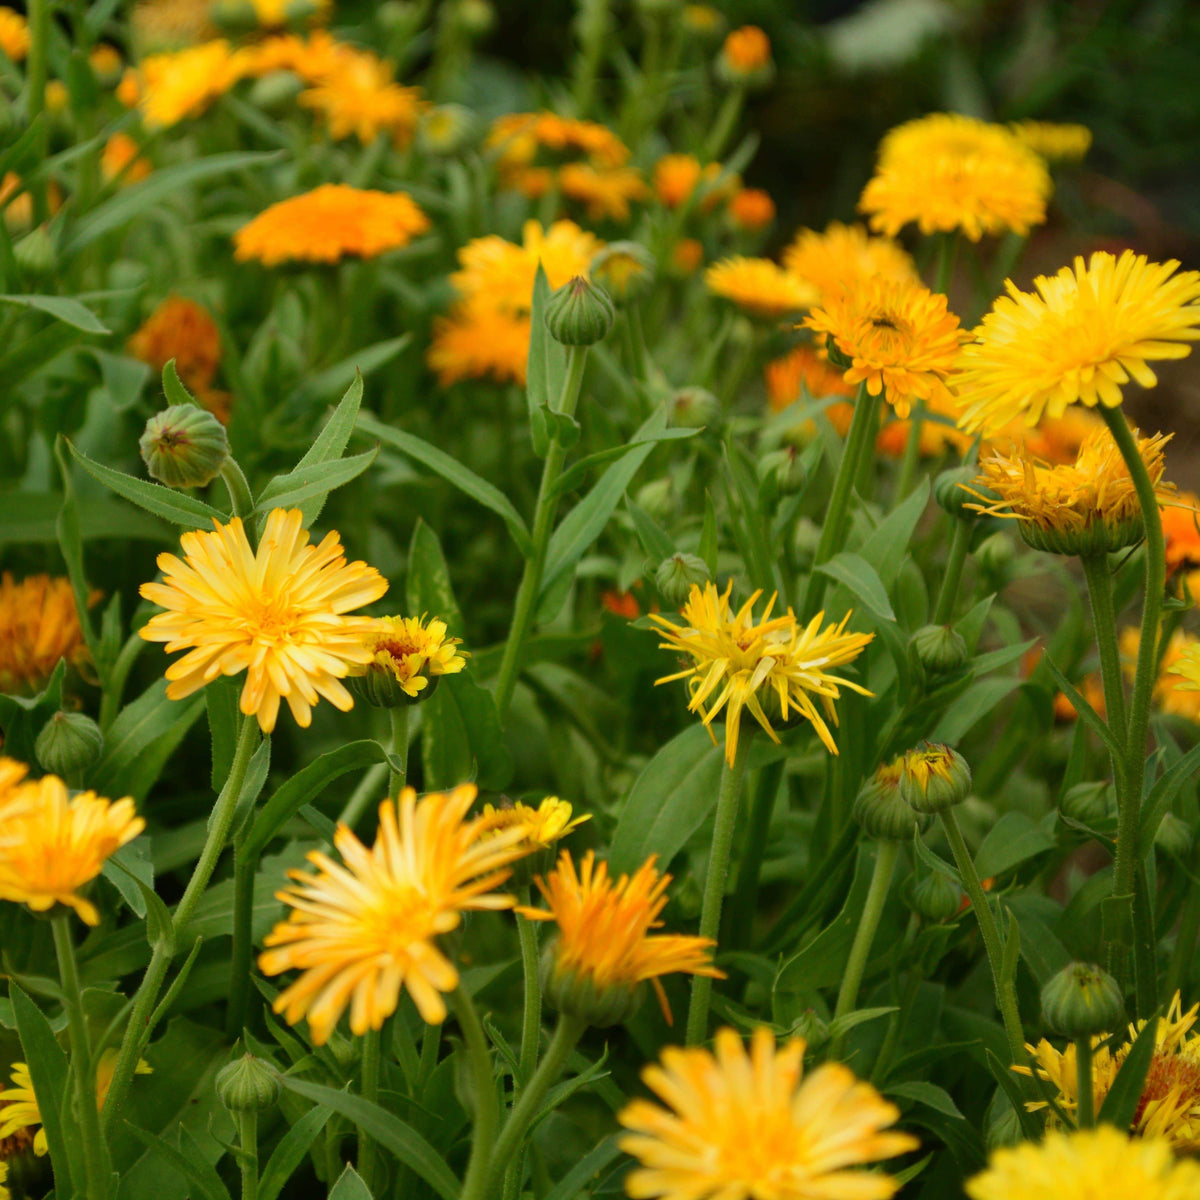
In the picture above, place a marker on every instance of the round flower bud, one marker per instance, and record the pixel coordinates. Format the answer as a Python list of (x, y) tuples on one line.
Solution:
[(399, 17), (184, 446), (806, 537), (576, 995), (1173, 836), (937, 650), (881, 810), (810, 1026), (68, 743), (949, 491), (994, 554), (694, 408), (579, 313), (677, 575), (703, 21), (624, 269), (35, 251), (276, 91), (248, 1085), (1086, 803), (935, 898), (380, 688), (934, 778), (1082, 1000), (784, 469)]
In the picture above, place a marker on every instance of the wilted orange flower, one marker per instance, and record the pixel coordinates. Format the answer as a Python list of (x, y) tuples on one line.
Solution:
[(686, 256), (845, 256), (606, 192), (14, 34), (746, 50), (751, 209), (39, 624), (329, 223), (759, 286), (122, 158), (182, 330), (173, 87)]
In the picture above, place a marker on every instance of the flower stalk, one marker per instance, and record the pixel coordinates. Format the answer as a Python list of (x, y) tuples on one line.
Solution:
[(951, 581), (368, 1151), (487, 1109)]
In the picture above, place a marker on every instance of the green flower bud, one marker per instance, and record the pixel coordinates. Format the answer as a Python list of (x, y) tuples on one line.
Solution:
[(953, 497), (446, 129), (184, 446), (812, 1027), (1082, 1000), (934, 778), (676, 576), (579, 313), (380, 688), (881, 810), (576, 995), (475, 17), (1087, 803), (401, 17), (624, 269), (1093, 538), (248, 1084), (657, 498), (276, 91), (694, 408), (1173, 836), (784, 469), (937, 650), (35, 251), (935, 898), (995, 553), (68, 743)]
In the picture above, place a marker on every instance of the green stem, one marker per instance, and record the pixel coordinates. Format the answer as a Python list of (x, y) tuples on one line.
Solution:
[(1104, 621), (566, 1035), (431, 1043), (82, 1067), (1006, 997), (947, 249), (868, 921), (240, 497), (1179, 972), (368, 1151), (138, 1031), (543, 522), (398, 777), (531, 1025), (1085, 1116), (744, 904), (912, 454), (714, 884), (248, 1144), (487, 1109), (952, 579), (833, 532), (37, 68), (727, 115), (114, 683)]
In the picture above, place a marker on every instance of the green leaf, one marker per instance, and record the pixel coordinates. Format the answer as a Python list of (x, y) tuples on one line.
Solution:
[(928, 1094), (1012, 840), (546, 369), (708, 536), (668, 802), (32, 518), (885, 548), (311, 485), (575, 1182), (389, 1131), (1162, 796), (173, 387), (331, 442), (1123, 1097), (326, 384), (124, 378), (22, 718), (577, 472), (62, 307), (176, 507), (972, 706), (453, 472), (201, 1175), (70, 540), (1087, 714), (350, 1186), (1031, 1126), (862, 579), (291, 1151), (654, 538), (129, 869)]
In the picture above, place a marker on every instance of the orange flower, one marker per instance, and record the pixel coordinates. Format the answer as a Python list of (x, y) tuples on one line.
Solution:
[(358, 98), (751, 209), (686, 256), (14, 34), (802, 372), (173, 87), (1181, 528), (122, 160), (747, 50), (845, 256), (605, 192), (182, 330), (477, 340), (676, 177), (18, 212), (39, 624)]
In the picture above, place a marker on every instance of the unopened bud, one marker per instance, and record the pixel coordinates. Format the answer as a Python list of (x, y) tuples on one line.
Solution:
[(276, 91), (248, 1084), (935, 897), (950, 491), (994, 554), (184, 446), (579, 313), (784, 469), (677, 575), (68, 743), (446, 129), (934, 778), (1087, 803), (35, 251), (657, 498), (937, 650), (882, 811), (745, 59), (694, 408), (812, 1027), (1082, 1000)]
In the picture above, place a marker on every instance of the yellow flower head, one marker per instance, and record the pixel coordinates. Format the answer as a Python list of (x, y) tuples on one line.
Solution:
[(56, 844), (751, 209), (277, 614), (759, 286), (734, 1125), (846, 256), (948, 172), (540, 827), (520, 137), (606, 192), (329, 223), (1177, 689), (900, 339), (170, 24), (410, 651), (105, 61), (1087, 331), (122, 160), (603, 939), (272, 13), (39, 624), (475, 340), (1089, 506), (735, 659), (14, 34), (365, 929), (175, 86), (1054, 141), (360, 99)]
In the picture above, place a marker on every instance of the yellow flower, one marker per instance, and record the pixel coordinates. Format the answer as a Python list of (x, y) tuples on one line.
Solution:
[(277, 614), (748, 1126), (519, 136), (948, 172), (540, 827), (751, 209), (12, 799), (1087, 1164), (736, 659), (56, 844), (1087, 331), (183, 84), (759, 286), (1175, 689), (846, 256), (1089, 506), (1169, 1106), (746, 50), (901, 339), (478, 341), (603, 939), (410, 651), (606, 192), (364, 930), (360, 99), (270, 13), (39, 624), (317, 59), (1054, 141), (105, 61), (122, 157), (14, 34)]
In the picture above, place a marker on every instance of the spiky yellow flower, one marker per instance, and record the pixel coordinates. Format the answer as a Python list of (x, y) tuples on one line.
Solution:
[(606, 192), (742, 662), (759, 286), (540, 827), (846, 256), (55, 844), (1089, 506), (329, 223), (1054, 141), (14, 34), (1084, 334), (122, 161), (900, 339), (366, 929), (604, 943), (408, 652), (948, 172), (478, 341), (175, 86), (278, 614), (734, 1125), (39, 624), (1169, 1106)]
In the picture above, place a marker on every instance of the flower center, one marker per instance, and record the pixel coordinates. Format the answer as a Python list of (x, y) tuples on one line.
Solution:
[(402, 916), (1169, 1074)]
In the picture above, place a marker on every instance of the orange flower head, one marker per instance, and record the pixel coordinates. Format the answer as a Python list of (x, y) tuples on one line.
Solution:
[(477, 341), (746, 52), (14, 34), (39, 624), (359, 98), (182, 330), (846, 256), (605, 192), (122, 160), (176, 86), (686, 256), (751, 209)]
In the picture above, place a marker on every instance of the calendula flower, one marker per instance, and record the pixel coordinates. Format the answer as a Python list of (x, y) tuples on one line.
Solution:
[(1055, 439), (14, 34), (734, 1125), (948, 172), (167, 25), (360, 99), (746, 50), (686, 256), (1083, 334), (606, 192), (520, 136), (407, 655), (759, 286), (1169, 1107), (272, 13), (329, 223), (1177, 689), (278, 614), (751, 209), (1087, 507), (316, 59), (364, 930), (900, 339), (935, 437), (540, 827), (1054, 141), (741, 662), (479, 341), (603, 947), (56, 844), (16, 203), (39, 624), (182, 330), (1181, 531), (176, 86), (802, 373), (122, 160), (106, 63), (676, 177), (703, 20), (845, 256)]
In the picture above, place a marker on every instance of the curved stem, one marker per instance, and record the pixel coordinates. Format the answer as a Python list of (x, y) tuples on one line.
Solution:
[(368, 1152), (82, 1067), (487, 1109), (952, 579), (531, 1025), (397, 778), (728, 797), (245, 867), (1085, 1116), (868, 921)]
